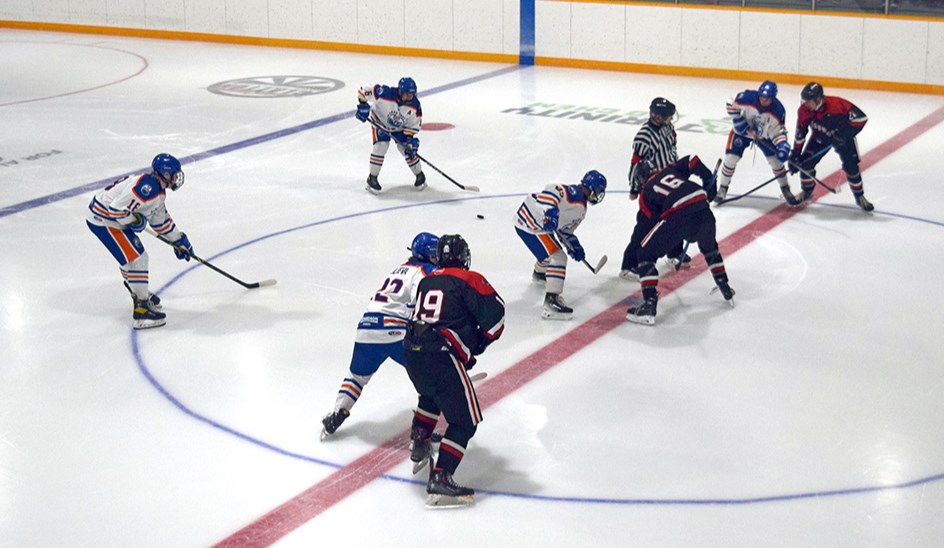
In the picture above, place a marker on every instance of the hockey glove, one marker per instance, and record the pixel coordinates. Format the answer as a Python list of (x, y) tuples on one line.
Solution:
[(572, 244), (182, 247), (551, 219), (138, 222), (363, 112), (411, 148), (741, 127), (783, 151), (796, 159)]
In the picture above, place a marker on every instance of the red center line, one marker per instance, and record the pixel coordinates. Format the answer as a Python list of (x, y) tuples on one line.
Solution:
[(342, 483)]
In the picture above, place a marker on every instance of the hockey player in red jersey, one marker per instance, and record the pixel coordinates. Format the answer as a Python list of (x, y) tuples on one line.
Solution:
[(458, 315), (675, 209), (831, 121)]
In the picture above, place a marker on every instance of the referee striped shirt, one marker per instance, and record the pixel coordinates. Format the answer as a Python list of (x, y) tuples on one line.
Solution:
[(653, 143)]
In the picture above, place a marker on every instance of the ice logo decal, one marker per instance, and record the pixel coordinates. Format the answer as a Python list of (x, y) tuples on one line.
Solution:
[(274, 87), (395, 119)]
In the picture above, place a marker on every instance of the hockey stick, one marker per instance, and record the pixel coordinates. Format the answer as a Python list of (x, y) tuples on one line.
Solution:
[(600, 264), (207, 264), (763, 145), (834, 190), (749, 192), (470, 188)]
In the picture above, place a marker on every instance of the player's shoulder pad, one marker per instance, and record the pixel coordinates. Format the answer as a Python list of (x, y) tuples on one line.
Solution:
[(748, 97), (385, 92), (148, 187), (475, 280), (574, 194)]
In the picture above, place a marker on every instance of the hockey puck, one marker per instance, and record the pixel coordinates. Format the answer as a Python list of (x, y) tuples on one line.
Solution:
[(480, 216)]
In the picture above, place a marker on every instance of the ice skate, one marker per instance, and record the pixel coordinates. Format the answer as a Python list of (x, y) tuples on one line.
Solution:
[(684, 264), (805, 197), (146, 317), (726, 291), (721, 194), (154, 302), (373, 185), (332, 421), (644, 314), (629, 274), (792, 200), (555, 308), (420, 183), (862, 202), (443, 492), (421, 453)]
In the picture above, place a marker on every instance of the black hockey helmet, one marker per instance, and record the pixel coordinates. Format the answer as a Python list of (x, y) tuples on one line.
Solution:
[(812, 91), (660, 106), (453, 251)]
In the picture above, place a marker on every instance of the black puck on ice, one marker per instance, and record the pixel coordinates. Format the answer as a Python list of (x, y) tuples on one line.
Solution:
[(480, 216)]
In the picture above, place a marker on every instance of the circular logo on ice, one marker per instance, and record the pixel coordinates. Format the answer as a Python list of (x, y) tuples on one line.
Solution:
[(276, 86)]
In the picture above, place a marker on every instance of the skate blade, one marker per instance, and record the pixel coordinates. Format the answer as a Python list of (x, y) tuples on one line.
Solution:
[(444, 502), (324, 434), (147, 324), (556, 316), (419, 466), (641, 320)]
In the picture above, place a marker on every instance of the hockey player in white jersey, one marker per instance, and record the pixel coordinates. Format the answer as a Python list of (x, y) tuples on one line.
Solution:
[(758, 117), (394, 113), (381, 329), (546, 222), (123, 209)]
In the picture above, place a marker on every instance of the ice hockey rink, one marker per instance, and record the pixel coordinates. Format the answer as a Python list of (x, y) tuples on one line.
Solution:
[(808, 415)]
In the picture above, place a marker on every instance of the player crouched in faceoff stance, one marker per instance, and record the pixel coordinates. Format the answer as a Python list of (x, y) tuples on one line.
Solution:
[(394, 112), (676, 209), (123, 209), (834, 122), (458, 315), (381, 329), (758, 117), (548, 219)]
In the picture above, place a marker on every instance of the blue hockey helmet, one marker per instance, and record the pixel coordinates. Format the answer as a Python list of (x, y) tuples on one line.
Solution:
[(768, 89), (424, 247), (595, 183), (407, 85), (168, 169), (453, 251)]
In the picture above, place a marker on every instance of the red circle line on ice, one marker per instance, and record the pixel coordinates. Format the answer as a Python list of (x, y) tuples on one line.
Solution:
[(437, 126)]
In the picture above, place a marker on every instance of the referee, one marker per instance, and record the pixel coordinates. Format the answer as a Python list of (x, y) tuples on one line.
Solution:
[(655, 144)]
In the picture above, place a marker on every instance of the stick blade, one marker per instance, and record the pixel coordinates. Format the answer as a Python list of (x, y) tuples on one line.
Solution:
[(600, 264), (264, 283), (471, 188)]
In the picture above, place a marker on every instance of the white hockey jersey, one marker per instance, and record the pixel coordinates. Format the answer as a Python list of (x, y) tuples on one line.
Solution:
[(392, 305), (388, 112), (114, 205), (569, 201), (763, 122)]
